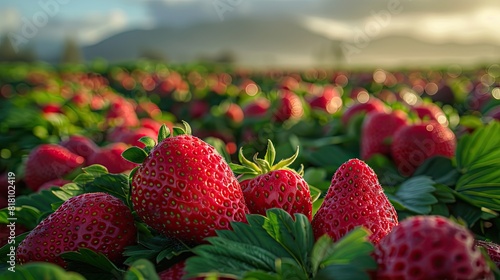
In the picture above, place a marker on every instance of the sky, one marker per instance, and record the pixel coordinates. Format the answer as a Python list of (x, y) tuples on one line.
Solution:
[(91, 21)]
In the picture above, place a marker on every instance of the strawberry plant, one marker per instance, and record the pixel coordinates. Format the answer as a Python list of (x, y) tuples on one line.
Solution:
[(200, 208)]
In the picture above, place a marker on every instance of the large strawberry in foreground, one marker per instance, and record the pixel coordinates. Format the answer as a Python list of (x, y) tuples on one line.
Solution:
[(355, 198), (48, 162), (97, 221), (267, 185), (184, 188), (412, 145), (430, 247)]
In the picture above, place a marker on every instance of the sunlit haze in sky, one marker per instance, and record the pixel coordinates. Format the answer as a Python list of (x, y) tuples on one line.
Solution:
[(91, 21)]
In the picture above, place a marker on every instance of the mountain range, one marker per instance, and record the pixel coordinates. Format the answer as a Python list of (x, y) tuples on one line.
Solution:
[(284, 43)]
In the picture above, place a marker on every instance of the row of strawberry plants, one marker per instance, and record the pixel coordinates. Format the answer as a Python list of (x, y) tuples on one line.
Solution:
[(442, 183)]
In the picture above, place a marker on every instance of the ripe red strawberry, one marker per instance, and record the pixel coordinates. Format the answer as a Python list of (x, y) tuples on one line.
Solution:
[(97, 221), (267, 186), (132, 137), (329, 100), (234, 113), (430, 247), (372, 105), (290, 107), (430, 111), (185, 189), (110, 157), (80, 145), (492, 249), (257, 108), (48, 162), (377, 131), (355, 198), (175, 272), (412, 145), (121, 112), (153, 124)]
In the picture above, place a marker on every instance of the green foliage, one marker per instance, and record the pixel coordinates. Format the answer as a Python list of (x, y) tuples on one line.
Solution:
[(415, 195), (92, 265), (96, 178), (278, 246), (478, 159), (40, 270), (154, 248)]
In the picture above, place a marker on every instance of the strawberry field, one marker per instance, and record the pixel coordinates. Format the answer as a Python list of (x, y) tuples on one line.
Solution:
[(154, 171)]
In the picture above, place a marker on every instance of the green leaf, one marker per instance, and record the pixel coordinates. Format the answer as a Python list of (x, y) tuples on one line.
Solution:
[(154, 248), (315, 193), (114, 184), (467, 212), (40, 270), (270, 155), (163, 133), (385, 169), (479, 149), (317, 177), (92, 265), (295, 236), (141, 270), (95, 170), (349, 257), (444, 194), (440, 169), (30, 208), (135, 155), (481, 186), (278, 246), (6, 248), (415, 194), (148, 142)]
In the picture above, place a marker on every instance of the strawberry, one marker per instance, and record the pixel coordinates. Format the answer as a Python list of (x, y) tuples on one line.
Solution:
[(48, 162), (377, 131), (257, 108), (121, 112), (175, 272), (492, 249), (430, 247), (185, 189), (290, 107), (430, 111), (97, 221), (132, 137), (355, 198), (110, 157), (267, 186), (234, 113), (153, 124), (412, 145), (329, 100), (80, 145), (372, 105)]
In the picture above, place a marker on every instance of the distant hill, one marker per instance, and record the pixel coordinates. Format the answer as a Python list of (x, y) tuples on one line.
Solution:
[(254, 43), (283, 42)]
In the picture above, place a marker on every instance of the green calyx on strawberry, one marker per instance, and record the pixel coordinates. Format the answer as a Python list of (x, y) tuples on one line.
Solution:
[(267, 185), (183, 187), (96, 221)]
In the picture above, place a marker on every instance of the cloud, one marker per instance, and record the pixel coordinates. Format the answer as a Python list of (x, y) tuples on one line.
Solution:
[(462, 23), (10, 20), (99, 26)]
